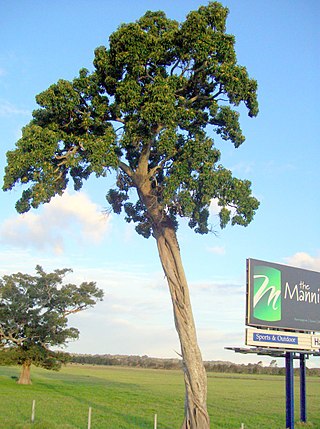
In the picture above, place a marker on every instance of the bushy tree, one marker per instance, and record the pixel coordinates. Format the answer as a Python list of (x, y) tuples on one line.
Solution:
[(34, 314), (148, 111)]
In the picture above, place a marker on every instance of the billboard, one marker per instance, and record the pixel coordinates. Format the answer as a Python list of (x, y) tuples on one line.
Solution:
[(282, 297)]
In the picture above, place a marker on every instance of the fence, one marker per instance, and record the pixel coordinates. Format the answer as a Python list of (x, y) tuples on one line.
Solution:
[(155, 421)]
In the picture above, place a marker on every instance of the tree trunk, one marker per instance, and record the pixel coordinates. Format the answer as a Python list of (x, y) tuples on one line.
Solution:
[(196, 415), (25, 373)]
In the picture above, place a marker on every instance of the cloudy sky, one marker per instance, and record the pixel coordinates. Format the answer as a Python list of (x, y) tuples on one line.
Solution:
[(278, 42)]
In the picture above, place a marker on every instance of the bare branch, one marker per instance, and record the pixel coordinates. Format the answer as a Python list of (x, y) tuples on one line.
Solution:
[(125, 168), (116, 119), (74, 310), (175, 66), (70, 152), (9, 337)]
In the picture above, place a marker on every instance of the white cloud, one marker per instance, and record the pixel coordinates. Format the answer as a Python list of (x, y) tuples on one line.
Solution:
[(136, 314), (68, 216), (304, 260), (217, 250), (214, 208), (244, 167), (8, 109), (119, 336), (134, 318)]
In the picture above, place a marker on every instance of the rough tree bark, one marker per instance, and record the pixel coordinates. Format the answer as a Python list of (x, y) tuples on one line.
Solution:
[(196, 415), (25, 374)]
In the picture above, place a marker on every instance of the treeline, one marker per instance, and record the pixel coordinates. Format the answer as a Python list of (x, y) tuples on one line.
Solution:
[(124, 360), (158, 363)]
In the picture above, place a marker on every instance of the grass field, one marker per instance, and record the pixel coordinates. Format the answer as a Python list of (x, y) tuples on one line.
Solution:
[(123, 398)]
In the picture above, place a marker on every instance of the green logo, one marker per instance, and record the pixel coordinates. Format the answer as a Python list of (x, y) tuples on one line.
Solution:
[(267, 293)]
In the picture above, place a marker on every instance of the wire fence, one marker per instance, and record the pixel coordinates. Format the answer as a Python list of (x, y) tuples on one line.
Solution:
[(90, 419)]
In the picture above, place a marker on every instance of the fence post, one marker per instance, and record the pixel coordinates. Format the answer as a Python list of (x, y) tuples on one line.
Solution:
[(155, 421), (33, 410), (89, 418), (242, 425)]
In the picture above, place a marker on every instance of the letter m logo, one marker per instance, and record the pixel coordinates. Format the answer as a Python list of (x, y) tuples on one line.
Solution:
[(267, 293)]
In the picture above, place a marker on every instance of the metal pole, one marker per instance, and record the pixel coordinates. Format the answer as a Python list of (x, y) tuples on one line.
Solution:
[(303, 396), (289, 391)]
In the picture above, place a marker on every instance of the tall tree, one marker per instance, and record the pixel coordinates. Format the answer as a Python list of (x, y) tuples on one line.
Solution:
[(34, 314), (147, 111)]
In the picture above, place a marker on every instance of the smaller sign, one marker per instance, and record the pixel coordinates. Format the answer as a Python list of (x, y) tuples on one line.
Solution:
[(275, 338), (281, 339)]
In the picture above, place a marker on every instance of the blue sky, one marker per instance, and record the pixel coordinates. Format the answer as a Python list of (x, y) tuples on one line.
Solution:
[(278, 42)]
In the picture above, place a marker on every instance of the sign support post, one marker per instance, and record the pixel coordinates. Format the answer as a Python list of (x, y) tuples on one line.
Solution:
[(303, 397), (289, 391)]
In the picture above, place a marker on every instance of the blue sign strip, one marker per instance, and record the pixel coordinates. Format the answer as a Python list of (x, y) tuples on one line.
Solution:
[(274, 338)]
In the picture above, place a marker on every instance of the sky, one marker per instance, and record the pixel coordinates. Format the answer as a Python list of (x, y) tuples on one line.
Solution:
[(278, 41)]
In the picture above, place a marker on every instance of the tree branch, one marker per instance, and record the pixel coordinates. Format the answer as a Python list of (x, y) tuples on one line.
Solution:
[(9, 337), (175, 66), (126, 169), (70, 152), (75, 310), (142, 169)]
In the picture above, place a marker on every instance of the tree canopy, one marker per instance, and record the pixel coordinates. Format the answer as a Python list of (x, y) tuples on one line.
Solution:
[(34, 314), (144, 112)]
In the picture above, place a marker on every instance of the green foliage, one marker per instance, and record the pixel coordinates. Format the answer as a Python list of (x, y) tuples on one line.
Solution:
[(34, 316), (146, 112), (36, 354)]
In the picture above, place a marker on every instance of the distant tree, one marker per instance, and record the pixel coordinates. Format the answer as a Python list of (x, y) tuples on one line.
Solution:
[(34, 314), (145, 112)]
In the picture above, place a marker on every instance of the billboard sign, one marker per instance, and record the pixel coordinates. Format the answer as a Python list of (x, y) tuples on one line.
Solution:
[(282, 297), (282, 339)]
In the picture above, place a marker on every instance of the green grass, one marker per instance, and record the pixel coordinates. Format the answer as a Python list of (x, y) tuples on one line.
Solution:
[(123, 398)]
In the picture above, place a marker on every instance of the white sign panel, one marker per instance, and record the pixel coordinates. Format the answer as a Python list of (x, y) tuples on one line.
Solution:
[(282, 339)]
